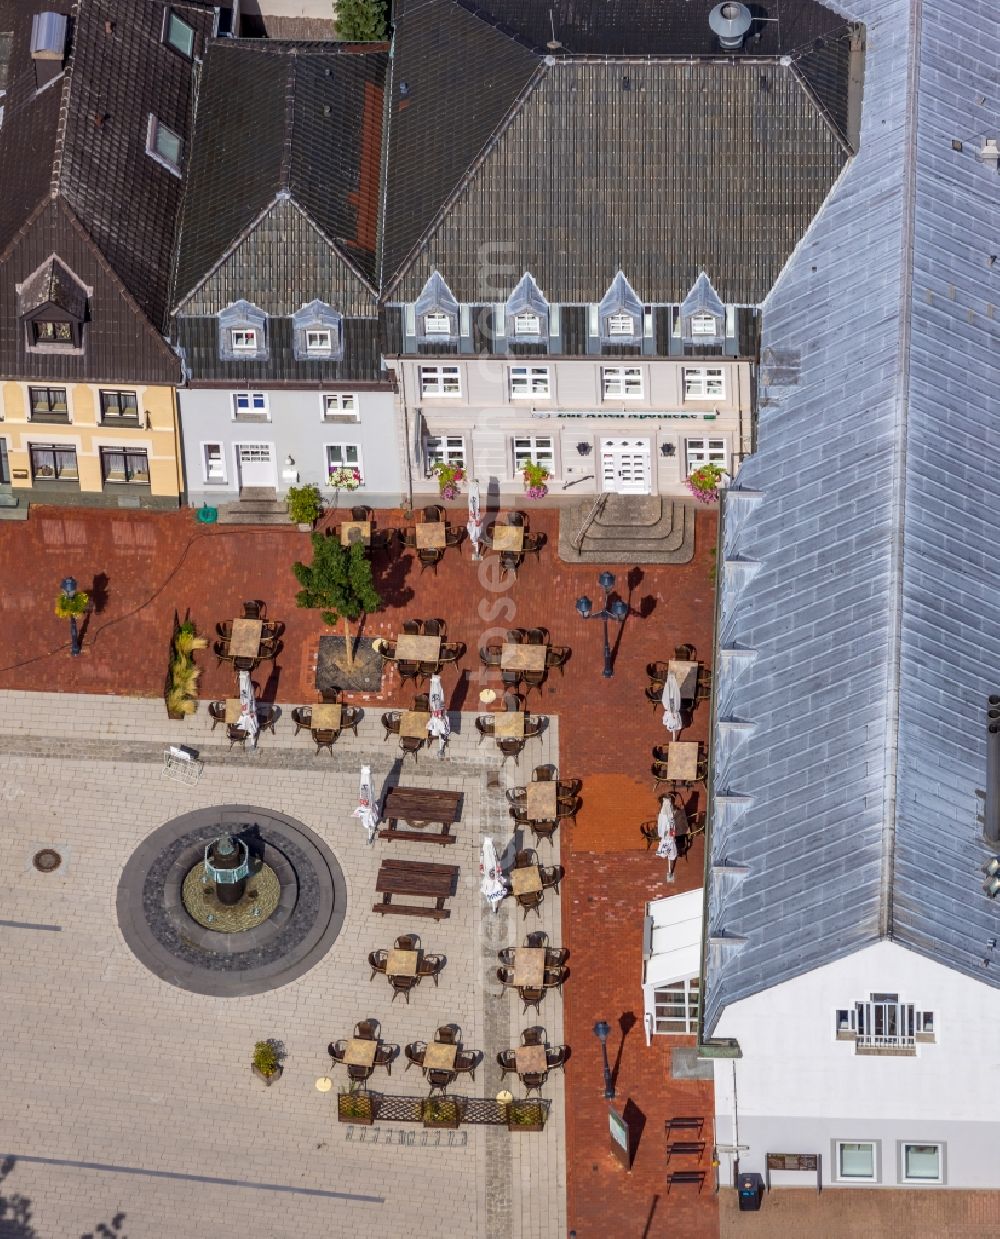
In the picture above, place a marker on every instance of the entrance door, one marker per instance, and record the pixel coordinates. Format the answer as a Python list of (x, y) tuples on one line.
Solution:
[(255, 462), (625, 465)]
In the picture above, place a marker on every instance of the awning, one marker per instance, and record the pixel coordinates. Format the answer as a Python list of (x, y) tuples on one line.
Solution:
[(672, 939)]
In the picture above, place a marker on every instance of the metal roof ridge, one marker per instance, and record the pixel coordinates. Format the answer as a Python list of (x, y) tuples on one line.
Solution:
[(64, 101)]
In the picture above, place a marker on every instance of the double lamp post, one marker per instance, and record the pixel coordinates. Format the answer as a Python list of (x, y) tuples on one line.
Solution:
[(617, 610)]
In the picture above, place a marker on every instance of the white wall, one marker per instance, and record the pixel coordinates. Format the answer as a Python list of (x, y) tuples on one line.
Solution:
[(798, 1089)]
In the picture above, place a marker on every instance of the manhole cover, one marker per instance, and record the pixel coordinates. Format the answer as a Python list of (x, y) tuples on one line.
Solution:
[(47, 860)]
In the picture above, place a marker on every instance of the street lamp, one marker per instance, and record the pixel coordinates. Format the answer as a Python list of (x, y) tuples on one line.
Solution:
[(611, 610), (68, 587), (601, 1030)]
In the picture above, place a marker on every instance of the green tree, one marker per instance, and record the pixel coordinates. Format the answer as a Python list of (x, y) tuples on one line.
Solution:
[(361, 21), (339, 580)]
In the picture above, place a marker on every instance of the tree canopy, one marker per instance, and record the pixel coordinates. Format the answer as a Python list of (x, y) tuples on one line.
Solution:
[(339, 580), (361, 21)]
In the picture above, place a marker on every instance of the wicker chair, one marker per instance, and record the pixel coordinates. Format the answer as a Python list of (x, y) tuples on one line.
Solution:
[(221, 651), (358, 1073), (267, 715), (466, 1063), (533, 679), (388, 650), (516, 636), (485, 726), (518, 519), (510, 561), (366, 1030), (557, 656), (551, 877), (255, 609), (519, 814), (507, 1062), (556, 956), (657, 672), (532, 727), (414, 1054), (650, 832), (511, 748), (384, 1056), (490, 656), (530, 997), (525, 858), (704, 684), (236, 735), (361, 512), (407, 942), (530, 901), (451, 651), (272, 630), (537, 938), (430, 966), (654, 695), (412, 627), (533, 543), (391, 720), (570, 787), (337, 1050), (685, 653), (224, 630), (506, 977), (533, 1036), (543, 774), (453, 535), (439, 1078), (350, 716), (538, 636), (430, 557), (421, 702), (245, 664), (302, 718), (410, 744), (506, 956), (533, 1081), (544, 830), (555, 977), (517, 797), (330, 696), (402, 985), (324, 739), (433, 513), (409, 669), (377, 961), (269, 651), (217, 713), (435, 628)]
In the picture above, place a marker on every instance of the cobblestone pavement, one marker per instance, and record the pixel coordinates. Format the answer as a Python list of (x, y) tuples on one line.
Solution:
[(130, 1103)]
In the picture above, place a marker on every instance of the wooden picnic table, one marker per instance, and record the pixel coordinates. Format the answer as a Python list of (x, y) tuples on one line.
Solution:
[(234, 709), (682, 761), (418, 649), (541, 801), (530, 1059), (509, 725), (325, 717), (360, 1052), (686, 675), (418, 806), (524, 881), (508, 537), (440, 1057), (355, 531), (414, 724), (522, 657), (245, 639), (414, 877), (402, 963), (430, 536), (529, 965)]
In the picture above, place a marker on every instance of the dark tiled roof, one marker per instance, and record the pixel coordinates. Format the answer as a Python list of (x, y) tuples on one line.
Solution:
[(283, 121), (663, 168)]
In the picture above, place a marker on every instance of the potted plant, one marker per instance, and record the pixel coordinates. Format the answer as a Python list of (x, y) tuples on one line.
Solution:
[(535, 477), (449, 479), (704, 481), (356, 1107), (345, 478), (441, 1112), (266, 1065), (305, 506), (182, 683), (527, 1115)]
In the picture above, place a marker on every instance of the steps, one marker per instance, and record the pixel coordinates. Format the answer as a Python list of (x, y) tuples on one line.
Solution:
[(257, 505), (631, 529)]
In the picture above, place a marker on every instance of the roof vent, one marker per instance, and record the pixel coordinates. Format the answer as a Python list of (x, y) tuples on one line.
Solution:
[(730, 21), (404, 89), (48, 45), (989, 153)]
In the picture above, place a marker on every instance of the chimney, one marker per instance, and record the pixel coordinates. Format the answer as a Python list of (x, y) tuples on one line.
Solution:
[(989, 153), (991, 810), (731, 22), (48, 46)]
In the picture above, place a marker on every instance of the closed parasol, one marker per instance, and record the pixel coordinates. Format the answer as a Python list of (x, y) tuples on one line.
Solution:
[(366, 804), (493, 883), (671, 702)]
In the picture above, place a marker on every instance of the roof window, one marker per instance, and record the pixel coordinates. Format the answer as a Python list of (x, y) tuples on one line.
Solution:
[(163, 145), (178, 34)]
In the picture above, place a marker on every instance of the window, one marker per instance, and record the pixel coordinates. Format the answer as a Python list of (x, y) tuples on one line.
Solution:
[(119, 406), (527, 324), (53, 464), (437, 324), (884, 1025), (319, 341), (179, 35), (52, 333), (213, 463), (856, 1161), (243, 339), (704, 383), (705, 452), (125, 464), (528, 381), (340, 406), (250, 406), (445, 450), (343, 456), (922, 1163), (534, 449), (163, 145), (623, 382), (440, 381), (620, 324), (703, 325), (677, 1007), (48, 404)]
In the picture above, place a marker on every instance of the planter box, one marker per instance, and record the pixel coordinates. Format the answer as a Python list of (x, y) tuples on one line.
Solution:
[(358, 1108), (525, 1116), (268, 1080), (444, 1114)]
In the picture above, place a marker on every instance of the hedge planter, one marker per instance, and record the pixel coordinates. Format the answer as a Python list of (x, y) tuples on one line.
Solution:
[(266, 1064), (359, 1108), (441, 1112), (268, 1079), (525, 1116)]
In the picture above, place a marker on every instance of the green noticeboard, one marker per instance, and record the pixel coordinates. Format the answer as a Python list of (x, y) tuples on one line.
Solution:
[(621, 1140)]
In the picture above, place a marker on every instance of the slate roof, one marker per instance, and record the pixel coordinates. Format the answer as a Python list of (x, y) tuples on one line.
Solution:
[(285, 122), (860, 590)]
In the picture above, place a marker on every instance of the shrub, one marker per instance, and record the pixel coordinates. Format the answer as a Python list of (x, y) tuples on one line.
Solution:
[(265, 1058), (361, 21), (304, 504)]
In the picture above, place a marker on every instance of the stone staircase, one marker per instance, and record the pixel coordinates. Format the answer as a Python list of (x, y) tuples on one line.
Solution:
[(257, 505), (628, 529)]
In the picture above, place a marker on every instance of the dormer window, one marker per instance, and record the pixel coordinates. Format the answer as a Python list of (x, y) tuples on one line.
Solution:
[(163, 145), (620, 314), (244, 340), (702, 314), (621, 325), (702, 325), (435, 311), (437, 324), (52, 333), (242, 333), (52, 305), (526, 314), (318, 333), (527, 325), (318, 342), (178, 34)]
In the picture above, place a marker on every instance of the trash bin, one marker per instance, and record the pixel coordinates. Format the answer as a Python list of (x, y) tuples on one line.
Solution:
[(751, 1189)]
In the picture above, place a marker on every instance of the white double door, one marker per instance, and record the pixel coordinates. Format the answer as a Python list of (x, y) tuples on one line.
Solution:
[(626, 466), (256, 465)]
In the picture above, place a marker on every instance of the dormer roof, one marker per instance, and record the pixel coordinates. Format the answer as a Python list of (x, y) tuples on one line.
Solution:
[(702, 299), (53, 284), (620, 299), (436, 295)]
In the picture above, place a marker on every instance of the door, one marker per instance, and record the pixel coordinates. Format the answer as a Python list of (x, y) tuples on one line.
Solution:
[(255, 462), (4, 464), (625, 466)]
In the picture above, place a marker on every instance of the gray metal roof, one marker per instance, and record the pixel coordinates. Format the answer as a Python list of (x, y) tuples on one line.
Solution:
[(860, 595)]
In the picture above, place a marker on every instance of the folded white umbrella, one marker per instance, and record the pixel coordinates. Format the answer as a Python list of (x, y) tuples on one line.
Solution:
[(493, 883), (475, 524), (671, 702), (666, 820), (474, 510), (248, 708), (436, 694), (366, 804)]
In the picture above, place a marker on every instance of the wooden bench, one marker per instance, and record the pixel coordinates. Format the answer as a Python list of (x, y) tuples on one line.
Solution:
[(682, 1123), (420, 806), (685, 1176), (414, 877), (685, 1148)]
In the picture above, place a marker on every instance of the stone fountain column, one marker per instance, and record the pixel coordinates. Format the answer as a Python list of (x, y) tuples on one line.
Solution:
[(227, 864)]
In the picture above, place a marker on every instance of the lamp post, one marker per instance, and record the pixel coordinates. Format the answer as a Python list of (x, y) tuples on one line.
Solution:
[(611, 610), (601, 1030), (68, 587)]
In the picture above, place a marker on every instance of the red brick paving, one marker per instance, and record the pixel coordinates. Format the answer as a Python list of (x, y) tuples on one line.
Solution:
[(142, 567)]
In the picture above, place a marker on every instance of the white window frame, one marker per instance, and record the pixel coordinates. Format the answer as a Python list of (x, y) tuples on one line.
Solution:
[(686, 995), (342, 447), (703, 324), (153, 127), (839, 1145), (438, 381), (243, 339), (622, 382), (621, 324), (206, 472), (169, 18), (339, 406), (536, 453), (704, 383), (530, 382), (705, 450), (253, 402), (527, 324), (437, 323), (445, 449), (313, 346), (921, 1180)]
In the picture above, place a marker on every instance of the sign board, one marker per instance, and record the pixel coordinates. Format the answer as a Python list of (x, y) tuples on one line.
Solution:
[(795, 1161), (621, 1139)]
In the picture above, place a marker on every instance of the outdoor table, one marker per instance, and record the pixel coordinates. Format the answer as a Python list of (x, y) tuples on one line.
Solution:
[(245, 641), (522, 657), (440, 1056), (682, 761), (325, 717), (418, 807), (417, 649), (531, 1059), (509, 725), (402, 963), (541, 800), (686, 675), (524, 881), (234, 709), (430, 536), (356, 531), (508, 537), (414, 724), (360, 1052), (529, 965)]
